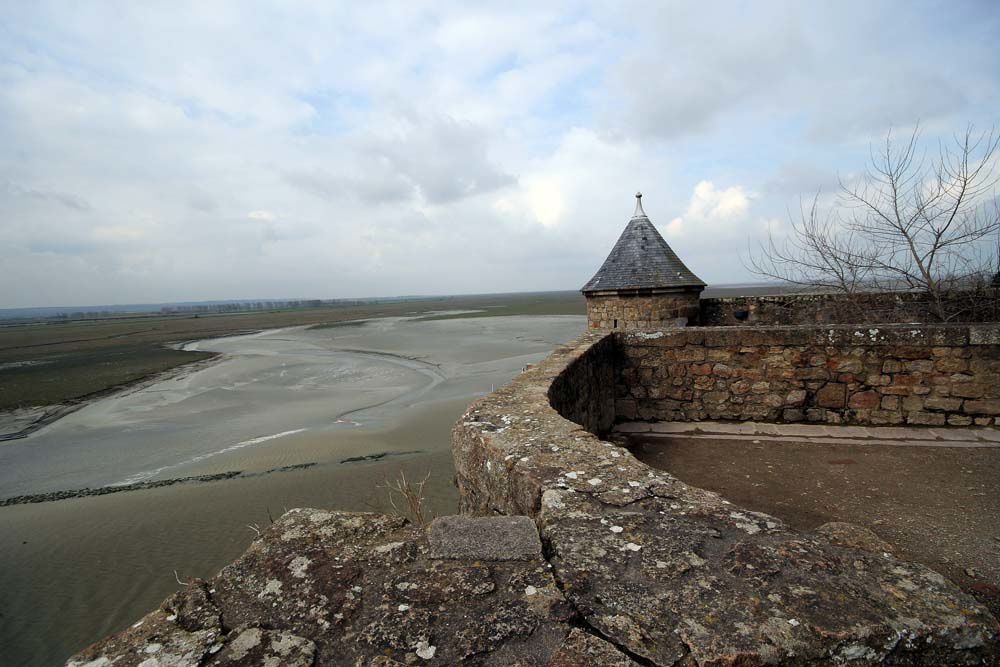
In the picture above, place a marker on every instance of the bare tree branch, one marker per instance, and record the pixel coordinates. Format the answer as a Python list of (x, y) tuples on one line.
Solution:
[(913, 221)]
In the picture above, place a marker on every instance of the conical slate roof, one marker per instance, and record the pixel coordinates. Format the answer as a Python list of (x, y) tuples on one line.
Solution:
[(641, 259)]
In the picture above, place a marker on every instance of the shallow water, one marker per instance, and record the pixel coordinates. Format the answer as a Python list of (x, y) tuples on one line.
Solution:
[(74, 570)]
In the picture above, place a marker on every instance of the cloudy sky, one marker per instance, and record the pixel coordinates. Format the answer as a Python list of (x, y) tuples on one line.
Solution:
[(210, 150)]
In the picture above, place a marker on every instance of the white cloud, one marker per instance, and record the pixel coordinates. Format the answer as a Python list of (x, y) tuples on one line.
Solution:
[(712, 210)]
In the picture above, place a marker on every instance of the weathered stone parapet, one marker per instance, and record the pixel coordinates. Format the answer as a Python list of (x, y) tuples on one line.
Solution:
[(833, 308), (677, 575), (353, 589), (933, 375)]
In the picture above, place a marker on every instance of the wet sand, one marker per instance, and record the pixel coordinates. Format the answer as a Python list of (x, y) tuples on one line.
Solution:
[(74, 570)]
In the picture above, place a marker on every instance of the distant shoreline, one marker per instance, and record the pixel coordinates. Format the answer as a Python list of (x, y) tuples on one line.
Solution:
[(55, 412)]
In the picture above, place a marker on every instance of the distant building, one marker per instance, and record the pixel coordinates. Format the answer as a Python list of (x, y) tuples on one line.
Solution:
[(642, 284)]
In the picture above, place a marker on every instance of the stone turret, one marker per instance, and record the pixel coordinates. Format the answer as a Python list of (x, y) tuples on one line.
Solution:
[(642, 284)]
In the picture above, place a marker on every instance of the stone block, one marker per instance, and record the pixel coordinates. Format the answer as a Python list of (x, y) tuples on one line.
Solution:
[(959, 420), (913, 404), (942, 404), (950, 365), (722, 371), (704, 382), (715, 396), (848, 365), (793, 415), (925, 418), (796, 397), (691, 353), (982, 407), (719, 354), (912, 352), (987, 334), (968, 390), (919, 366), (890, 403), (739, 387), (677, 370), (984, 368), (773, 400), (811, 373), (679, 393), (816, 415), (882, 417), (892, 366), (905, 380), (832, 395), (877, 380), (497, 538), (865, 400)]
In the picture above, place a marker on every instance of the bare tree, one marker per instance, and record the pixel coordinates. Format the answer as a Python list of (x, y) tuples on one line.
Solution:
[(816, 253), (910, 221)]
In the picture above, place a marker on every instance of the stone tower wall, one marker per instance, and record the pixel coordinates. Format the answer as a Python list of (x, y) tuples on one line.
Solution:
[(651, 311)]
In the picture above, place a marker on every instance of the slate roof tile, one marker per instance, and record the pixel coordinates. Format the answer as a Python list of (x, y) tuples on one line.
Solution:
[(641, 259)]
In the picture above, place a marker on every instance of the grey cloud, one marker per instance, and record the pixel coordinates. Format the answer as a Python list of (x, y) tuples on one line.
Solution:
[(689, 71), (203, 202), (433, 156), (864, 106), (800, 178), (443, 158), (70, 248), (65, 199), (841, 72), (371, 183)]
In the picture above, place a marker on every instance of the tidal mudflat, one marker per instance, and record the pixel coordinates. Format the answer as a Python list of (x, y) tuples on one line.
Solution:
[(283, 408)]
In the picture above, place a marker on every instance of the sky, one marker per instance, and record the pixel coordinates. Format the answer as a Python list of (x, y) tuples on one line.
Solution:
[(174, 151)]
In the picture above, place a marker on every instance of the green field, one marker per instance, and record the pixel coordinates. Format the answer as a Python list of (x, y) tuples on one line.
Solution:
[(57, 361)]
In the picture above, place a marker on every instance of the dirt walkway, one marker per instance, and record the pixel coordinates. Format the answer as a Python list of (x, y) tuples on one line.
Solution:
[(934, 504)]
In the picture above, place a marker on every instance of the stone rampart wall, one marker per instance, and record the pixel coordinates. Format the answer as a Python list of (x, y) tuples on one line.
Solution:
[(674, 575), (585, 390), (898, 374)]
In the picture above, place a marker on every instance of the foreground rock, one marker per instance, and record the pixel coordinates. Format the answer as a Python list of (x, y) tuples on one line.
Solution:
[(338, 588)]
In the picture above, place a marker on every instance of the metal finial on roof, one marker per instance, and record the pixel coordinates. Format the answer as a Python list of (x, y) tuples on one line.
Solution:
[(639, 213)]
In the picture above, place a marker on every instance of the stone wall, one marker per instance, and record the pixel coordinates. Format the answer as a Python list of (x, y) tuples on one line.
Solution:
[(585, 390), (674, 575), (898, 374), (652, 311), (868, 307)]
